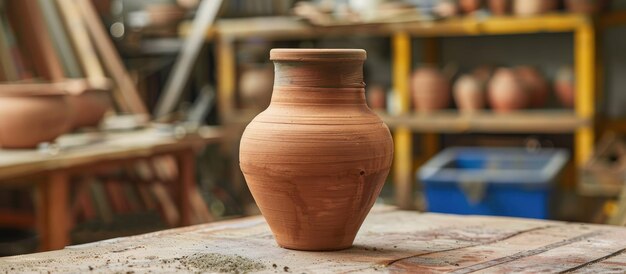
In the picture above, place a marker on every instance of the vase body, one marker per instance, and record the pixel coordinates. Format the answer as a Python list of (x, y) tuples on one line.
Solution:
[(533, 7), (316, 159), (27, 120), (430, 90), (506, 92), (586, 6), (470, 6)]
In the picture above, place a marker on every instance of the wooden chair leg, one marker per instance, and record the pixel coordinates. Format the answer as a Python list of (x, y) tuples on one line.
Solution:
[(52, 210)]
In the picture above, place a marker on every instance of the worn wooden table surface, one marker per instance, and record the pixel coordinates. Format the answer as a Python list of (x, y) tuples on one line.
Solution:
[(389, 241)]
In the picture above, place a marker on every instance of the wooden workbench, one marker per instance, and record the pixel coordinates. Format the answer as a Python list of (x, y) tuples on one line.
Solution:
[(78, 154), (389, 241)]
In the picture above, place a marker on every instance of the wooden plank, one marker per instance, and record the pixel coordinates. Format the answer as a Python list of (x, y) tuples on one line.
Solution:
[(389, 241), (109, 55), (60, 38), (15, 218), (489, 122), (205, 15), (103, 147), (34, 36)]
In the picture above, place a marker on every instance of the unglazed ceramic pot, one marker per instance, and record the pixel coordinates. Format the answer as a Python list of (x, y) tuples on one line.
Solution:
[(506, 92), (90, 107), (376, 97), (27, 120), (316, 159), (533, 7), (430, 90), (586, 6), (469, 94), (535, 84), (499, 7), (470, 6)]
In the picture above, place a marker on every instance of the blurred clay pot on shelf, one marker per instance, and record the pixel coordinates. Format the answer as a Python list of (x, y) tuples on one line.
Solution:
[(27, 120), (469, 94), (536, 85), (506, 92), (564, 86), (586, 6), (90, 107), (533, 7), (430, 89), (499, 7), (376, 97), (470, 6), (255, 86), (316, 159)]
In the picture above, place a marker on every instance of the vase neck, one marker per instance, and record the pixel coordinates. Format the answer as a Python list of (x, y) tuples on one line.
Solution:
[(319, 74)]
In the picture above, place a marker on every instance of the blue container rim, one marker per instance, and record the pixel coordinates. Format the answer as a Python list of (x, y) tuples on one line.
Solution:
[(434, 170)]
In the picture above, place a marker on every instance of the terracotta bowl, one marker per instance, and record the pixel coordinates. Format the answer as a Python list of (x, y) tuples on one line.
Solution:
[(27, 120), (90, 107)]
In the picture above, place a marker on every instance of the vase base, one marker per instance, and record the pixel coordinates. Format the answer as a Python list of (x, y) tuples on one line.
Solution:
[(314, 248)]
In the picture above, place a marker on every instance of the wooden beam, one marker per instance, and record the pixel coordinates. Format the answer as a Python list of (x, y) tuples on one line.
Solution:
[(110, 57)]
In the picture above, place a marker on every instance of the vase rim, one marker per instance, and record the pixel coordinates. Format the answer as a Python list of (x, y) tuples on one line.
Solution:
[(296, 54)]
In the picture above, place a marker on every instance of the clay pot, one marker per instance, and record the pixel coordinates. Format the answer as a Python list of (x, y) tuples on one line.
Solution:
[(506, 92), (255, 87), (483, 73), (376, 97), (469, 94), (499, 7), (90, 107), (430, 90), (316, 159), (535, 84), (470, 6), (564, 86), (586, 6), (533, 7), (446, 8), (26, 121)]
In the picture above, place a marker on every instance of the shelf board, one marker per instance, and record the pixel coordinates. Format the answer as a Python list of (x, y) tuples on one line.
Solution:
[(531, 121), (293, 28)]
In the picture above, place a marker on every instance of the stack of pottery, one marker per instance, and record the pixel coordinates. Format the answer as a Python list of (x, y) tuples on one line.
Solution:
[(316, 159), (430, 89), (506, 91), (32, 117)]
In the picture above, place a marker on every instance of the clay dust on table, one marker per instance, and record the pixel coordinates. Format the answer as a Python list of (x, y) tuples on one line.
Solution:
[(214, 262)]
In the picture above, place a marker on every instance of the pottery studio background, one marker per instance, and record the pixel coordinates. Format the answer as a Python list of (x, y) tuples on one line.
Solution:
[(107, 107)]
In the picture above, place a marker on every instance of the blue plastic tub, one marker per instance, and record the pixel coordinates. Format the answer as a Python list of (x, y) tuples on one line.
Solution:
[(492, 181)]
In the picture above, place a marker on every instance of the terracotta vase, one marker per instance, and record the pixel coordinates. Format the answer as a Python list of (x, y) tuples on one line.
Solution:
[(470, 6), (564, 86), (469, 94), (316, 159), (27, 120), (446, 8), (499, 7), (90, 107), (586, 6), (535, 84), (430, 90), (506, 92), (376, 97), (533, 7)]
